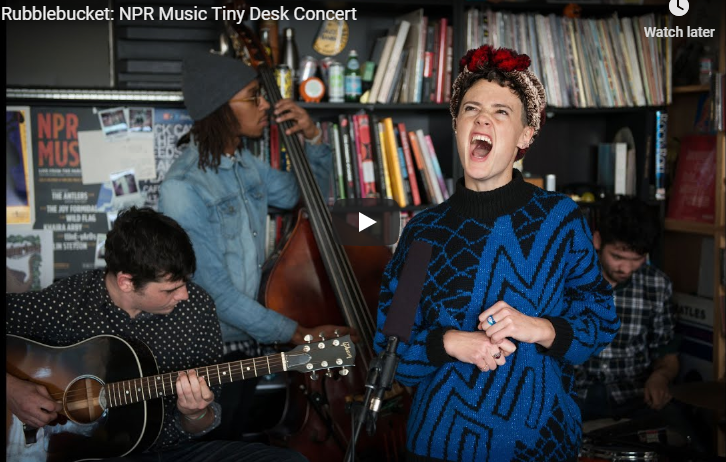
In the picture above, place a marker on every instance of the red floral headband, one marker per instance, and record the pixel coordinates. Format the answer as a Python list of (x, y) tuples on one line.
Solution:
[(515, 67), (504, 59)]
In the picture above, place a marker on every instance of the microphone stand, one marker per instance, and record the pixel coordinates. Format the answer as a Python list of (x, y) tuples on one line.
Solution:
[(380, 378)]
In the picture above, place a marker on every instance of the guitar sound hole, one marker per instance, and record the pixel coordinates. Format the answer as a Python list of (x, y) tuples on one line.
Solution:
[(81, 400)]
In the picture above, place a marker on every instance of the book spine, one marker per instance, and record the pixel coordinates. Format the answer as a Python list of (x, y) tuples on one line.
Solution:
[(339, 162), (349, 177), (437, 167), (368, 177), (430, 173), (384, 160), (357, 154), (415, 196), (395, 167), (421, 168), (441, 65), (661, 153)]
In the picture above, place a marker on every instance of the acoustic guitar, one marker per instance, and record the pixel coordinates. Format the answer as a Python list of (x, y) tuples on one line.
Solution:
[(108, 388)]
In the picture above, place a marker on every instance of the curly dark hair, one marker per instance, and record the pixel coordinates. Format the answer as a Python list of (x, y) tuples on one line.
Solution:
[(212, 135), (493, 75), (631, 222), (149, 246)]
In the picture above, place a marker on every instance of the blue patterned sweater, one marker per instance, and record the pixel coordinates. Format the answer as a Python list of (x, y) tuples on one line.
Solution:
[(533, 249)]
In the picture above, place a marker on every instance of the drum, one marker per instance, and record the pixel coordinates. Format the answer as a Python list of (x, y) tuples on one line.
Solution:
[(615, 453)]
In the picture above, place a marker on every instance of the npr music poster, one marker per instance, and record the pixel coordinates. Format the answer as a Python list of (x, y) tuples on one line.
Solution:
[(169, 126), (63, 204)]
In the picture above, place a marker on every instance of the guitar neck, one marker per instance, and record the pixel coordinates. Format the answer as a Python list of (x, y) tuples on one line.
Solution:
[(157, 386)]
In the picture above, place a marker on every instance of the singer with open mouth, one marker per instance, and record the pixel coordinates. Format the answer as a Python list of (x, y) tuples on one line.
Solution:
[(513, 296)]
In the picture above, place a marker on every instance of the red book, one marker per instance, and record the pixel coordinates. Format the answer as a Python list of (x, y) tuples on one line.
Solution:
[(365, 156), (693, 195), (441, 66), (409, 164)]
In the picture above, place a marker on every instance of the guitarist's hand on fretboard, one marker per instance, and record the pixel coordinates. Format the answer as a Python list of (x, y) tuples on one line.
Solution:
[(193, 400), (30, 402)]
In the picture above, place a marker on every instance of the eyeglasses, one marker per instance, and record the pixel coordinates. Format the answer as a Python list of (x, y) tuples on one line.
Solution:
[(258, 98)]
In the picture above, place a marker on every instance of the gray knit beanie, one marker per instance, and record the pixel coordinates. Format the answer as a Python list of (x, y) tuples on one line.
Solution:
[(210, 80)]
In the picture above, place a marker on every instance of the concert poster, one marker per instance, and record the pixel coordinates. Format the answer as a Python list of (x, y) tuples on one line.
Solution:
[(63, 204), (18, 167), (169, 126)]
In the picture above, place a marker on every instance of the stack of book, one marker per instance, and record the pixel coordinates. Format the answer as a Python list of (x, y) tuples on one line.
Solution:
[(380, 158), (582, 62), (413, 62)]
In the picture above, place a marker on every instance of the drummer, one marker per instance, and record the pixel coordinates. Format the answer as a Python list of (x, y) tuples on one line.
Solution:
[(630, 378)]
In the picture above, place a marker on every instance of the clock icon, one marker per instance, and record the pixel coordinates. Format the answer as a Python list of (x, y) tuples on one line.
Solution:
[(678, 7)]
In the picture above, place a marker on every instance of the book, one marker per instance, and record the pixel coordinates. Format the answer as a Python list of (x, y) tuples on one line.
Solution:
[(661, 153), (437, 196), (384, 160), (404, 171), (394, 165), (693, 194), (365, 154), (415, 43), (350, 189), (381, 67), (429, 64), (437, 167), (612, 167), (336, 145), (441, 64), (393, 61), (410, 168), (424, 182)]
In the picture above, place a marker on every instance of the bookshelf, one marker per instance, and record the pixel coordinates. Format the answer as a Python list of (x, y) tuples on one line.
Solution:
[(684, 239)]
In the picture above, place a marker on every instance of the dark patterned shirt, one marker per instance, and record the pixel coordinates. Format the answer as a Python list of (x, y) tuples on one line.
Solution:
[(79, 307), (645, 309)]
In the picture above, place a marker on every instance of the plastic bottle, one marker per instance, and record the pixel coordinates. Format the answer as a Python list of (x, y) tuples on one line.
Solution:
[(290, 56), (353, 84)]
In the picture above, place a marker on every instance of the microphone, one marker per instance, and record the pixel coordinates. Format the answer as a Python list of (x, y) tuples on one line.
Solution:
[(398, 325)]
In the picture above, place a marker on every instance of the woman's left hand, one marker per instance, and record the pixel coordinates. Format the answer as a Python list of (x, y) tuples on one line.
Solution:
[(287, 109), (510, 323)]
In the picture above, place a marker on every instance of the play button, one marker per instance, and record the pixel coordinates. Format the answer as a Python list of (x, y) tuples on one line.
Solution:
[(366, 222)]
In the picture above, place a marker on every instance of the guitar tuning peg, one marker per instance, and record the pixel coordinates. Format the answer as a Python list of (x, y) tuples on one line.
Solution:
[(337, 333), (308, 338), (344, 371), (314, 376), (322, 335), (329, 373)]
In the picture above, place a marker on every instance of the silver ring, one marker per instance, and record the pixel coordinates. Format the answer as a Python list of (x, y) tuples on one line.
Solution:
[(490, 320), (497, 355)]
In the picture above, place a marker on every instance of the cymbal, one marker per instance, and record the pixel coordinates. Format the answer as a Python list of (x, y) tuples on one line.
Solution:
[(708, 395)]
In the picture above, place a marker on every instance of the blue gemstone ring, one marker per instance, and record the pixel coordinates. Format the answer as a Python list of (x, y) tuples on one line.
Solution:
[(490, 320)]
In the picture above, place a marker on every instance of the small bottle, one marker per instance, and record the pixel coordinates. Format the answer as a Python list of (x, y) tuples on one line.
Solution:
[(265, 41), (290, 55), (353, 85)]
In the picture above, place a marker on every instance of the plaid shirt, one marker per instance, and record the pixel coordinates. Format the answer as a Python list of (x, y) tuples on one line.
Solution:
[(644, 306)]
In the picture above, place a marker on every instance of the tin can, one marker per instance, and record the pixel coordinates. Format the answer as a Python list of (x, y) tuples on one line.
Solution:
[(308, 68), (336, 80), (551, 182), (324, 65), (283, 76)]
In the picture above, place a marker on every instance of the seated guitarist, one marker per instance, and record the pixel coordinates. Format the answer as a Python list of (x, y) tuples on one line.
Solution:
[(143, 294)]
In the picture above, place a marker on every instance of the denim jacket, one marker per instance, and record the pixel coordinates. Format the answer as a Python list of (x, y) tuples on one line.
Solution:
[(225, 214)]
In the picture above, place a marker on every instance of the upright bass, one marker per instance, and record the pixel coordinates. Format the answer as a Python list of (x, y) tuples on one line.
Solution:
[(313, 282)]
